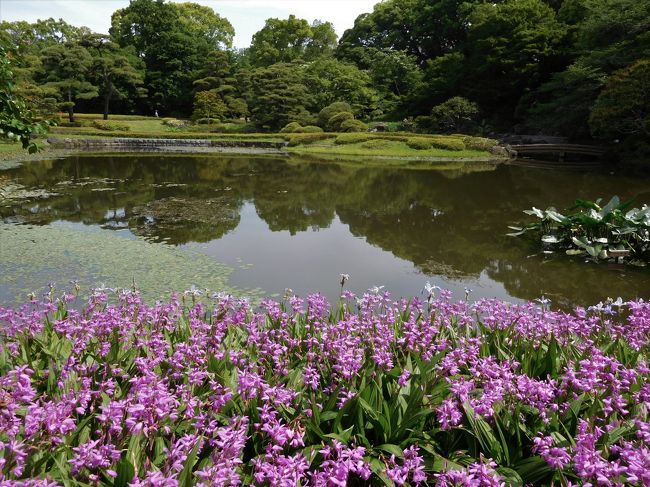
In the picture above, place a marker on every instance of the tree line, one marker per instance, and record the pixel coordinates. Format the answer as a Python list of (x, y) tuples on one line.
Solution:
[(578, 68)]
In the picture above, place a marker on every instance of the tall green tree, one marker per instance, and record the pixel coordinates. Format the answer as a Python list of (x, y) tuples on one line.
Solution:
[(113, 70), (605, 35), (204, 23), (329, 80), (424, 29), (287, 40), (511, 47), (67, 69), (218, 75), (174, 41), (279, 96), (24, 42), (396, 76), (623, 107), (208, 104), (562, 105)]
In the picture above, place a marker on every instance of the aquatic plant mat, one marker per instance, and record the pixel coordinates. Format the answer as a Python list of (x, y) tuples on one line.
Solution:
[(367, 392), (61, 253)]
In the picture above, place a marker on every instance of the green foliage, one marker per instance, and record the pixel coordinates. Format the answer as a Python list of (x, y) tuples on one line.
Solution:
[(110, 126), (419, 28), (377, 144), (539, 65), (562, 104), (448, 143), (455, 115), (67, 70), (308, 129), (290, 128), (76, 123), (353, 138), (329, 80), (335, 121), (510, 45), (174, 123), (296, 128), (353, 126), (202, 22), (308, 138), (174, 41), (330, 110), (279, 97), (286, 41), (16, 120), (396, 77), (207, 121), (479, 143), (208, 105), (118, 74), (623, 107), (419, 143), (609, 232), (423, 123)]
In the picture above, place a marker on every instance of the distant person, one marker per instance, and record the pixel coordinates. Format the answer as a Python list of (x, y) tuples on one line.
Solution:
[(155, 113)]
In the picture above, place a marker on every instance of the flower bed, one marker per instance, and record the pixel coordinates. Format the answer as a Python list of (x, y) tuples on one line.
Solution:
[(301, 393)]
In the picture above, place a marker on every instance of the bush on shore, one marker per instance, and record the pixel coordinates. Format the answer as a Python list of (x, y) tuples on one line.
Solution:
[(110, 126)]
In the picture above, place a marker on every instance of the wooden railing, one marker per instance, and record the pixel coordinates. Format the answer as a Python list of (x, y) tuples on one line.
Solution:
[(561, 150)]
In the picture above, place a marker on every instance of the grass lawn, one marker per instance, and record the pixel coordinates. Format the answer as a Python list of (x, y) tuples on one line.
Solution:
[(10, 147), (15, 149), (396, 145), (93, 133), (387, 148)]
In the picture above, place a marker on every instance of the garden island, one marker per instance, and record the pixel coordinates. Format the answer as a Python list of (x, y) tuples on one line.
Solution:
[(407, 250)]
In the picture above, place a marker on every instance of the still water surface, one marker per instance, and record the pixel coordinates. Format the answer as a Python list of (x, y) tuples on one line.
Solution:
[(260, 225)]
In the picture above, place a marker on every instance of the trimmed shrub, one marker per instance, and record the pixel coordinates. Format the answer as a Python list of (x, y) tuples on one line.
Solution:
[(76, 123), (457, 114), (447, 144), (422, 124), (419, 143), (305, 139), (334, 123), (174, 123), (353, 126), (290, 128), (479, 143), (207, 121), (309, 129), (377, 144), (331, 110), (353, 138), (110, 126)]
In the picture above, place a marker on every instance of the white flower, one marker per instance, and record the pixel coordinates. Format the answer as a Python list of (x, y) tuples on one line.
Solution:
[(193, 291)]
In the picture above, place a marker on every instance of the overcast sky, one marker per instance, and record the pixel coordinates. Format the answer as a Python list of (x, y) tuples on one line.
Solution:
[(247, 16)]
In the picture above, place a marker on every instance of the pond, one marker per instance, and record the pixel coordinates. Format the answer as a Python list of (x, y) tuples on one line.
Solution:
[(257, 225)]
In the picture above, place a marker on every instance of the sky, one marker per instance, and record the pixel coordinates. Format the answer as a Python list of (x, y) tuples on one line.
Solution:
[(247, 16)]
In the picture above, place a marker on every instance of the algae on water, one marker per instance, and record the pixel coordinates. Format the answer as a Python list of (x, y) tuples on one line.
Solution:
[(93, 257)]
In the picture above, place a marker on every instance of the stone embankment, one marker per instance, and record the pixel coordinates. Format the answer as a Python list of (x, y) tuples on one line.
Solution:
[(172, 145)]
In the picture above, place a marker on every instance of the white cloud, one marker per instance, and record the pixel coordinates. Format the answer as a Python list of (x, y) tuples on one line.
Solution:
[(247, 16)]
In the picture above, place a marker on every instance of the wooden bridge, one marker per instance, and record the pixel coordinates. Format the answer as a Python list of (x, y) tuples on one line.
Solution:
[(561, 151)]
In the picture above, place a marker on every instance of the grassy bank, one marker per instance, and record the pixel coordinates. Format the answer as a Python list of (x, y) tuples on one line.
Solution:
[(14, 150), (377, 145)]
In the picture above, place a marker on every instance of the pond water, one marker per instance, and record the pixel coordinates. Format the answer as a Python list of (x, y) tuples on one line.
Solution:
[(259, 225)]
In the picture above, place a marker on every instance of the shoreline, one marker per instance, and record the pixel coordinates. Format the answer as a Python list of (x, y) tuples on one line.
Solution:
[(62, 147)]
